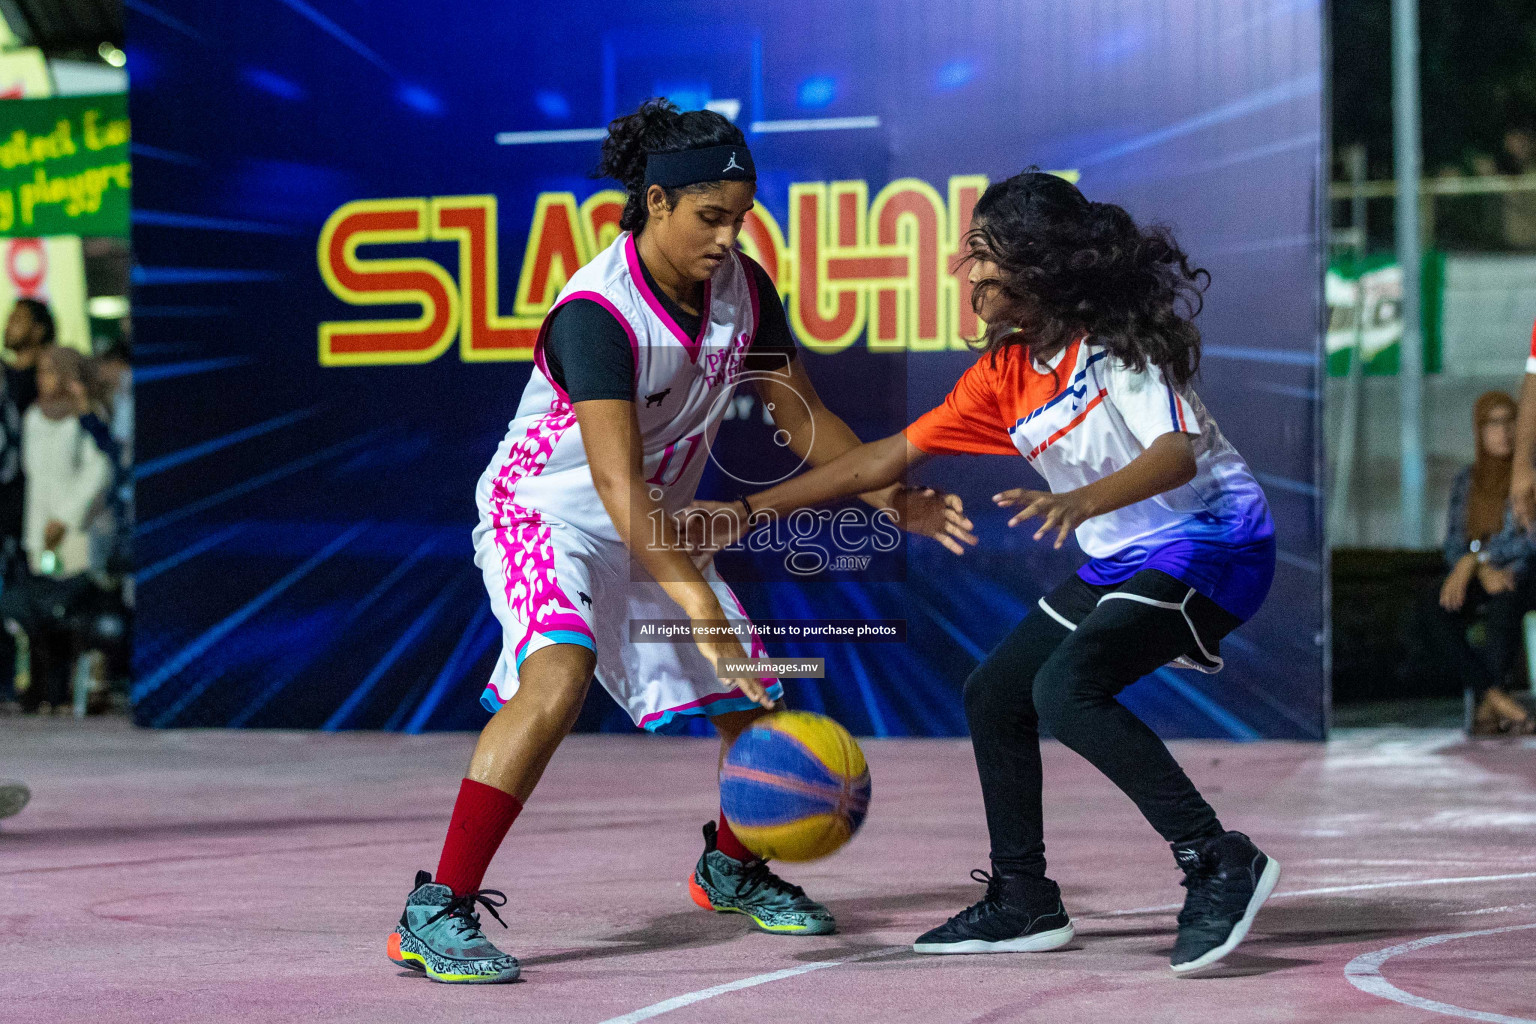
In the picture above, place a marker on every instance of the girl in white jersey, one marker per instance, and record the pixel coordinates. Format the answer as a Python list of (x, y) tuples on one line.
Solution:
[(634, 366), (1085, 372)]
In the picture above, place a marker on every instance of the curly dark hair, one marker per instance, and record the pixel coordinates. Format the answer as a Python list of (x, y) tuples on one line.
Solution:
[(1069, 267), (658, 127)]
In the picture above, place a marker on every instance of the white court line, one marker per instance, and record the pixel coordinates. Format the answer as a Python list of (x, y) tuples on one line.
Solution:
[(688, 998), (1330, 890), (1364, 972), (1492, 910)]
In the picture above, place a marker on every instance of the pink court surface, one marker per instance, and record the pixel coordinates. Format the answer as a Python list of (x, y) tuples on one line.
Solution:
[(227, 876)]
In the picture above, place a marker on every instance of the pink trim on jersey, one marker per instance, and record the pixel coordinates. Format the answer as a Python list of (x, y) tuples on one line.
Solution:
[(1071, 425), (530, 454), (637, 274), (601, 300), (542, 363)]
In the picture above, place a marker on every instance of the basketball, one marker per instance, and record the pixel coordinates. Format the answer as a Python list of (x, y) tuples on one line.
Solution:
[(794, 786)]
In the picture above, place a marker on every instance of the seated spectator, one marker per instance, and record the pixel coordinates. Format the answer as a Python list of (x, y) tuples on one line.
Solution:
[(67, 489), (1491, 562)]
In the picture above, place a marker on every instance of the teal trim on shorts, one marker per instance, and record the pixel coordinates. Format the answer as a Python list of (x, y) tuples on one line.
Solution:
[(560, 636), (674, 717), (488, 699)]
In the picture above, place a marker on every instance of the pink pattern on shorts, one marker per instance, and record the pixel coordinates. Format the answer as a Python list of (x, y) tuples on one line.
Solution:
[(527, 556), (533, 591)]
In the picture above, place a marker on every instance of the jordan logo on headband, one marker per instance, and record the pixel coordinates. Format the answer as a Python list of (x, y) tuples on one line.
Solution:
[(733, 165)]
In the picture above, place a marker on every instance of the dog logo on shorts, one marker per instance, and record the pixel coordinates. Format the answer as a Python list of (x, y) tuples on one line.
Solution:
[(733, 165), (584, 599), (657, 398)]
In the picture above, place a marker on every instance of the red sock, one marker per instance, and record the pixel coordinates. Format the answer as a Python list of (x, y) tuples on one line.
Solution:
[(727, 843), (481, 817)]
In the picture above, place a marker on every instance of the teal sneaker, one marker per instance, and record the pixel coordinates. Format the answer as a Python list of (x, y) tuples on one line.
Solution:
[(729, 886), (440, 935)]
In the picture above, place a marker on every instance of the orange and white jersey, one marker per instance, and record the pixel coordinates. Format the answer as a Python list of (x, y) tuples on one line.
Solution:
[(1082, 417)]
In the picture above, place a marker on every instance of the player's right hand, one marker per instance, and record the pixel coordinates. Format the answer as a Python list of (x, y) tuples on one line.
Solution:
[(935, 514), (712, 637)]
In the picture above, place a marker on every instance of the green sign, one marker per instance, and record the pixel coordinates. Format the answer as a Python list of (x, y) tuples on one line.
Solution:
[(1365, 314), (64, 166)]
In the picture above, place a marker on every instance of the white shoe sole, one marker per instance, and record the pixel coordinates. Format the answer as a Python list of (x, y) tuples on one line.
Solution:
[(1037, 943), (1267, 882)]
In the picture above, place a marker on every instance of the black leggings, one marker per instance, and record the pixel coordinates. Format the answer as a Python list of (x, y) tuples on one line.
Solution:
[(1490, 667), (1066, 679)]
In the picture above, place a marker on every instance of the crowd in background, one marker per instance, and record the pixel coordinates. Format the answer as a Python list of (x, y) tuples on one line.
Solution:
[(1496, 221), (66, 437)]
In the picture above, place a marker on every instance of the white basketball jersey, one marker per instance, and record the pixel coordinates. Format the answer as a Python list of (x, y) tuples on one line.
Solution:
[(683, 386)]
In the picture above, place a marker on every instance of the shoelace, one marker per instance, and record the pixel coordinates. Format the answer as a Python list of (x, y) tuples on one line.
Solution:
[(463, 908), (757, 876), (1203, 895), (993, 884)]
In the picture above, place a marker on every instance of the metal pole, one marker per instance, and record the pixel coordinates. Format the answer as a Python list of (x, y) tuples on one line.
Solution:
[(1355, 156), (1406, 160), (1344, 528)]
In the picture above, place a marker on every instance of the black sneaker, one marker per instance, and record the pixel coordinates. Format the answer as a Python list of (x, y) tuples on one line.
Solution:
[(1019, 914), (1228, 879)]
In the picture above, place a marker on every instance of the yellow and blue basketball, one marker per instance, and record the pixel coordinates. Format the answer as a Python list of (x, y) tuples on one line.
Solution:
[(794, 786)]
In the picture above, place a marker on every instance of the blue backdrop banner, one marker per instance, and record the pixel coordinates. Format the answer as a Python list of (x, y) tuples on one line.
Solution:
[(350, 220)]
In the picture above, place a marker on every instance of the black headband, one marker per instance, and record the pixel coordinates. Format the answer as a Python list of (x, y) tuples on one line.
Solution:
[(731, 162)]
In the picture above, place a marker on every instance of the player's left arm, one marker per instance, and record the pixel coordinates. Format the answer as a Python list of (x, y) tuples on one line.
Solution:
[(1167, 463)]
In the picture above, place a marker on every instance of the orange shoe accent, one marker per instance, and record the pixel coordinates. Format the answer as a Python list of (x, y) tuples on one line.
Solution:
[(394, 947), (697, 892)]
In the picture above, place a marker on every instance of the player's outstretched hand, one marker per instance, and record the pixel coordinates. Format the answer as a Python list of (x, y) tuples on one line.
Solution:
[(934, 514), (1062, 512)]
